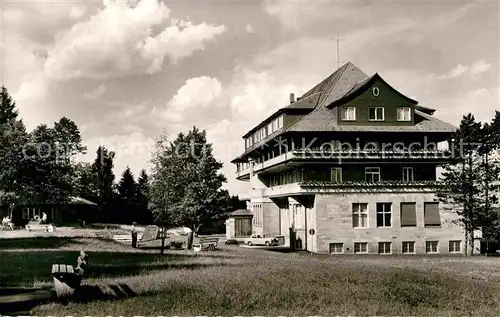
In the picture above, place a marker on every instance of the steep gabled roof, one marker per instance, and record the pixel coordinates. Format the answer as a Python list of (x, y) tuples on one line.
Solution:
[(337, 84)]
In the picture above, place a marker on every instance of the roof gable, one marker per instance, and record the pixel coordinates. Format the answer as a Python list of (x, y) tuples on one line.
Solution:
[(365, 84)]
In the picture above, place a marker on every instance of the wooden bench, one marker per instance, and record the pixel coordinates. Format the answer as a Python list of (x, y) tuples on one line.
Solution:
[(68, 278), (206, 244)]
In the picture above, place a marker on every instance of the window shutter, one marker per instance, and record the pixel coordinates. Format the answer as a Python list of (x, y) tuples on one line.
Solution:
[(431, 214), (408, 215)]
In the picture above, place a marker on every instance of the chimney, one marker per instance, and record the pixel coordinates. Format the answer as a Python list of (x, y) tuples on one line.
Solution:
[(292, 98)]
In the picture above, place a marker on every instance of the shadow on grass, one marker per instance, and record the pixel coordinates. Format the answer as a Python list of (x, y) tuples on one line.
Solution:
[(36, 243), (23, 268), (90, 293)]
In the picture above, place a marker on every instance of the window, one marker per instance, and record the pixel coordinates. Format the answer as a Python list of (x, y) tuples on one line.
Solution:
[(376, 114), (408, 215), (384, 214), (404, 114), (336, 248), (242, 227), (359, 215), (384, 248), (408, 247), (348, 114), (336, 175), (431, 214), (407, 174), (360, 247), (257, 214), (372, 174), (454, 247), (431, 247), (280, 122)]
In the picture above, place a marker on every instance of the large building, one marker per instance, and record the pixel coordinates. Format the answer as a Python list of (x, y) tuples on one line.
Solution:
[(355, 160)]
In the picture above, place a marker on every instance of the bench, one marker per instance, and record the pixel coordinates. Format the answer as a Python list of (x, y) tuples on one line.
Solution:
[(206, 244), (68, 278)]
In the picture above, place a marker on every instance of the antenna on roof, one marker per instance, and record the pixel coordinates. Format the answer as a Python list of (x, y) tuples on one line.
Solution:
[(338, 45)]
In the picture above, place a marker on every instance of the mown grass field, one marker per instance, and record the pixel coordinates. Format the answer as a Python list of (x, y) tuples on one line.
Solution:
[(237, 281)]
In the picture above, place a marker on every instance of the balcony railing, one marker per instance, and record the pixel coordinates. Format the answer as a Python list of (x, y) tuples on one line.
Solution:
[(370, 154), (319, 187), (370, 184)]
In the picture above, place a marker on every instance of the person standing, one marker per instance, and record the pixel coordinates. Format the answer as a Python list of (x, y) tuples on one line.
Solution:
[(134, 236)]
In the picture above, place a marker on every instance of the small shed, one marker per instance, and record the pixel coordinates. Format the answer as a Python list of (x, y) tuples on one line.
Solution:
[(239, 224)]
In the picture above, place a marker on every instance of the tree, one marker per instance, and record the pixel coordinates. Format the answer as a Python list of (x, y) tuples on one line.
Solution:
[(142, 198), (85, 181), (8, 111), (103, 168), (127, 186), (461, 178), (186, 183), (127, 193)]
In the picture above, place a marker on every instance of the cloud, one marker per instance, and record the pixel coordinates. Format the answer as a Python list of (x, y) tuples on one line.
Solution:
[(96, 93), (118, 41), (197, 94), (77, 12), (132, 149), (249, 28), (474, 70)]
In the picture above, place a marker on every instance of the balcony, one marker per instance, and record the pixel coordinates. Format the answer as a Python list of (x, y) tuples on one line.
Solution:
[(318, 187), (339, 156), (360, 154)]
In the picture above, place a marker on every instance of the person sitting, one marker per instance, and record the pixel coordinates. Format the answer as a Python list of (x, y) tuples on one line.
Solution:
[(81, 263)]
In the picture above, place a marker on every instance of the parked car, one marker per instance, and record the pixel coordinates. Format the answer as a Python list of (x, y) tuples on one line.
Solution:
[(264, 239)]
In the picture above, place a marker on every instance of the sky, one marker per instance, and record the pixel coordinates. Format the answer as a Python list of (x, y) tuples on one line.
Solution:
[(128, 72)]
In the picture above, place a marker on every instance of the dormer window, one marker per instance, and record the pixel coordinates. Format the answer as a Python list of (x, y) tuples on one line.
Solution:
[(348, 114), (376, 114), (404, 114)]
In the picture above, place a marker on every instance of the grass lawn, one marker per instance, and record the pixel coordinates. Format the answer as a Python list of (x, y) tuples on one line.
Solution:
[(237, 281)]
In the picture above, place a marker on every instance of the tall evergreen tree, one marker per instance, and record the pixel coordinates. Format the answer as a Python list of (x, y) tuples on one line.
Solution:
[(462, 179), (8, 111), (13, 137), (127, 188), (146, 216), (103, 168)]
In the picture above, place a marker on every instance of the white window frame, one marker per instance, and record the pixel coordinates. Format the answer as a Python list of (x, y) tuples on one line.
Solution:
[(376, 117), (360, 244), (280, 122), (345, 114), (337, 171), (359, 211), (428, 247), (374, 171), (335, 250), (404, 111), (385, 251), (384, 214), (408, 244), (452, 243), (408, 175)]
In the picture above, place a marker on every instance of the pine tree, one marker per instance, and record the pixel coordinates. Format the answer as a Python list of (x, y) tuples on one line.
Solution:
[(103, 168), (127, 186), (461, 178), (8, 111), (146, 216)]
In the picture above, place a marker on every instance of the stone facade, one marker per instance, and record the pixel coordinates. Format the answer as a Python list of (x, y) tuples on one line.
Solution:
[(335, 223)]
